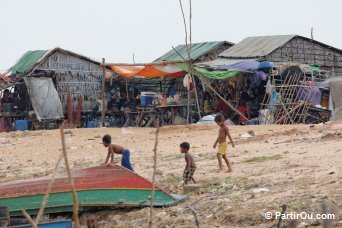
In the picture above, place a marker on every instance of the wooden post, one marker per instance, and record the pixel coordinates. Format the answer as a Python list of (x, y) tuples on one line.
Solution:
[(103, 91), (127, 92), (150, 222), (196, 96), (188, 107)]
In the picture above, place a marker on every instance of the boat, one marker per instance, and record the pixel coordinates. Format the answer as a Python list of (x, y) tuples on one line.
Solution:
[(54, 224), (97, 187)]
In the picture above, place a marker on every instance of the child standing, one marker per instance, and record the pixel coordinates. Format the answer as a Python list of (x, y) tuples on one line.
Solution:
[(190, 167), (116, 149), (222, 143)]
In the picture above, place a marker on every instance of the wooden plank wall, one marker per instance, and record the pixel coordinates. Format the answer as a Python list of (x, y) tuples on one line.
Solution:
[(307, 52)]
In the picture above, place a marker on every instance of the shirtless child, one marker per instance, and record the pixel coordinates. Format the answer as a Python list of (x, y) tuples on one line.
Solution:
[(222, 143), (116, 149), (190, 167)]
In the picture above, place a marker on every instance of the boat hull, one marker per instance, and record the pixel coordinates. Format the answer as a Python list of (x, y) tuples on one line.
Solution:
[(102, 186)]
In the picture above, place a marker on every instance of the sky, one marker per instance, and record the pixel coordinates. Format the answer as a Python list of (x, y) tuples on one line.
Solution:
[(117, 30)]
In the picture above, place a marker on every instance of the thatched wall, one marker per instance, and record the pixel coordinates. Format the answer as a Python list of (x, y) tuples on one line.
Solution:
[(76, 77)]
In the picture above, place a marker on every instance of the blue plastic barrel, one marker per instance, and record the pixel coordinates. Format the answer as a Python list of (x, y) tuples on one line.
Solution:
[(21, 125), (90, 124)]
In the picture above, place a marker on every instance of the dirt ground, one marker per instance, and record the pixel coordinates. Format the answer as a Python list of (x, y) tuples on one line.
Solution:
[(299, 166)]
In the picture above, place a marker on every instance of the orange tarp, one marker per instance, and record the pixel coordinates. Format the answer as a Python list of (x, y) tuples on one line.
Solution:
[(148, 71)]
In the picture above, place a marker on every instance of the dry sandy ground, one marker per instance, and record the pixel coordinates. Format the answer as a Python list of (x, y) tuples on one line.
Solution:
[(299, 165)]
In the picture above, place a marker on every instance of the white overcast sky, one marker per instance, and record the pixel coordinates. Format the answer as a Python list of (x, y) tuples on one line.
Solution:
[(116, 29)]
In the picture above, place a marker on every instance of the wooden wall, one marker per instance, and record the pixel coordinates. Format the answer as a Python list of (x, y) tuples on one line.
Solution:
[(76, 77), (308, 52)]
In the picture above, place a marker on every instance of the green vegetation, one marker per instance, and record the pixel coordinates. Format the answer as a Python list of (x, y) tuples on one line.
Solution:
[(263, 159)]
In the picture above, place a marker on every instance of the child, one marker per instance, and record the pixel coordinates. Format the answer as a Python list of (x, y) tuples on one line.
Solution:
[(221, 141), (116, 149), (190, 167)]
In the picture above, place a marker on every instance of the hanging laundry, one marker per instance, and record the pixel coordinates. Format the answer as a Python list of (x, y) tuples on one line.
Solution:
[(187, 81)]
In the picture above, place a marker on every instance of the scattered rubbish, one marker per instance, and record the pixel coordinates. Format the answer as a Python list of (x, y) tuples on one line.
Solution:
[(209, 119), (331, 173), (251, 133), (69, 132), (125, 131), (258, 190), (159, 172), (245, 135), (303, 225)]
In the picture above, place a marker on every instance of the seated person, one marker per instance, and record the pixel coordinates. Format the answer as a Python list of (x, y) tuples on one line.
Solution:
[(207, 104), (222, 107), (245, 111), (254, 107)]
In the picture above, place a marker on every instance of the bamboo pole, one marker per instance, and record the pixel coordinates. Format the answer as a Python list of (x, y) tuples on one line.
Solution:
[(196, 96), (71, 179), (192, 67), (144, 64), (150, 222), (46, 196), (189, 59), (103, 91), (127, 92), (288, 113), (30, 220)]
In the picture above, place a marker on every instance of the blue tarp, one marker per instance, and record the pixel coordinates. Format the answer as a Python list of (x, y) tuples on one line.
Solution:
[(248, 65)]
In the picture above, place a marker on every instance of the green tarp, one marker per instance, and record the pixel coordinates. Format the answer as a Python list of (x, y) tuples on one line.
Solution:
[(315, 68), (217, 74), (27, 61)]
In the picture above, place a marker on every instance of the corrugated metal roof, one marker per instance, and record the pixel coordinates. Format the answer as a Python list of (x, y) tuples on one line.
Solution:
[(28, 60), (197, 51), (259, 46)]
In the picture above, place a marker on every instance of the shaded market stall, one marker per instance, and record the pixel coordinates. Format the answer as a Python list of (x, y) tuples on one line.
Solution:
[(181, 84)]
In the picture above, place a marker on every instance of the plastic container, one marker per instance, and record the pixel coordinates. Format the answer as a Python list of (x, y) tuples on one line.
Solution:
[(146, 98), (90, 124), (21, 125)]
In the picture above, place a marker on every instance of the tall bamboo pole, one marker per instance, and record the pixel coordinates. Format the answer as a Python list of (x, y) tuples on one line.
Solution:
[(103, 91), (150, 222), (71, 179)]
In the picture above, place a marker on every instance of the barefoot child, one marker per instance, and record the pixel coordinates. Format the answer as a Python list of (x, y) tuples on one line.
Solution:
[(190, 167), (222, 143), (116, 149)]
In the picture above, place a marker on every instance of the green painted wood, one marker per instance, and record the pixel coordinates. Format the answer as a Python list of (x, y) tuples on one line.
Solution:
[(62, 202)]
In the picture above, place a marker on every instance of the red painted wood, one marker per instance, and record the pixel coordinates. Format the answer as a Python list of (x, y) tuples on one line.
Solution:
[(99, 177)]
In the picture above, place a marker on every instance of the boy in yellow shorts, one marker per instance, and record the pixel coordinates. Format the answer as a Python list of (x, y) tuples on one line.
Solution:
[(222, 143)]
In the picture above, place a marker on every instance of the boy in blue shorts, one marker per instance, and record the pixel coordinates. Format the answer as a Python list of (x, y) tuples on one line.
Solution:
[(116, 149)]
